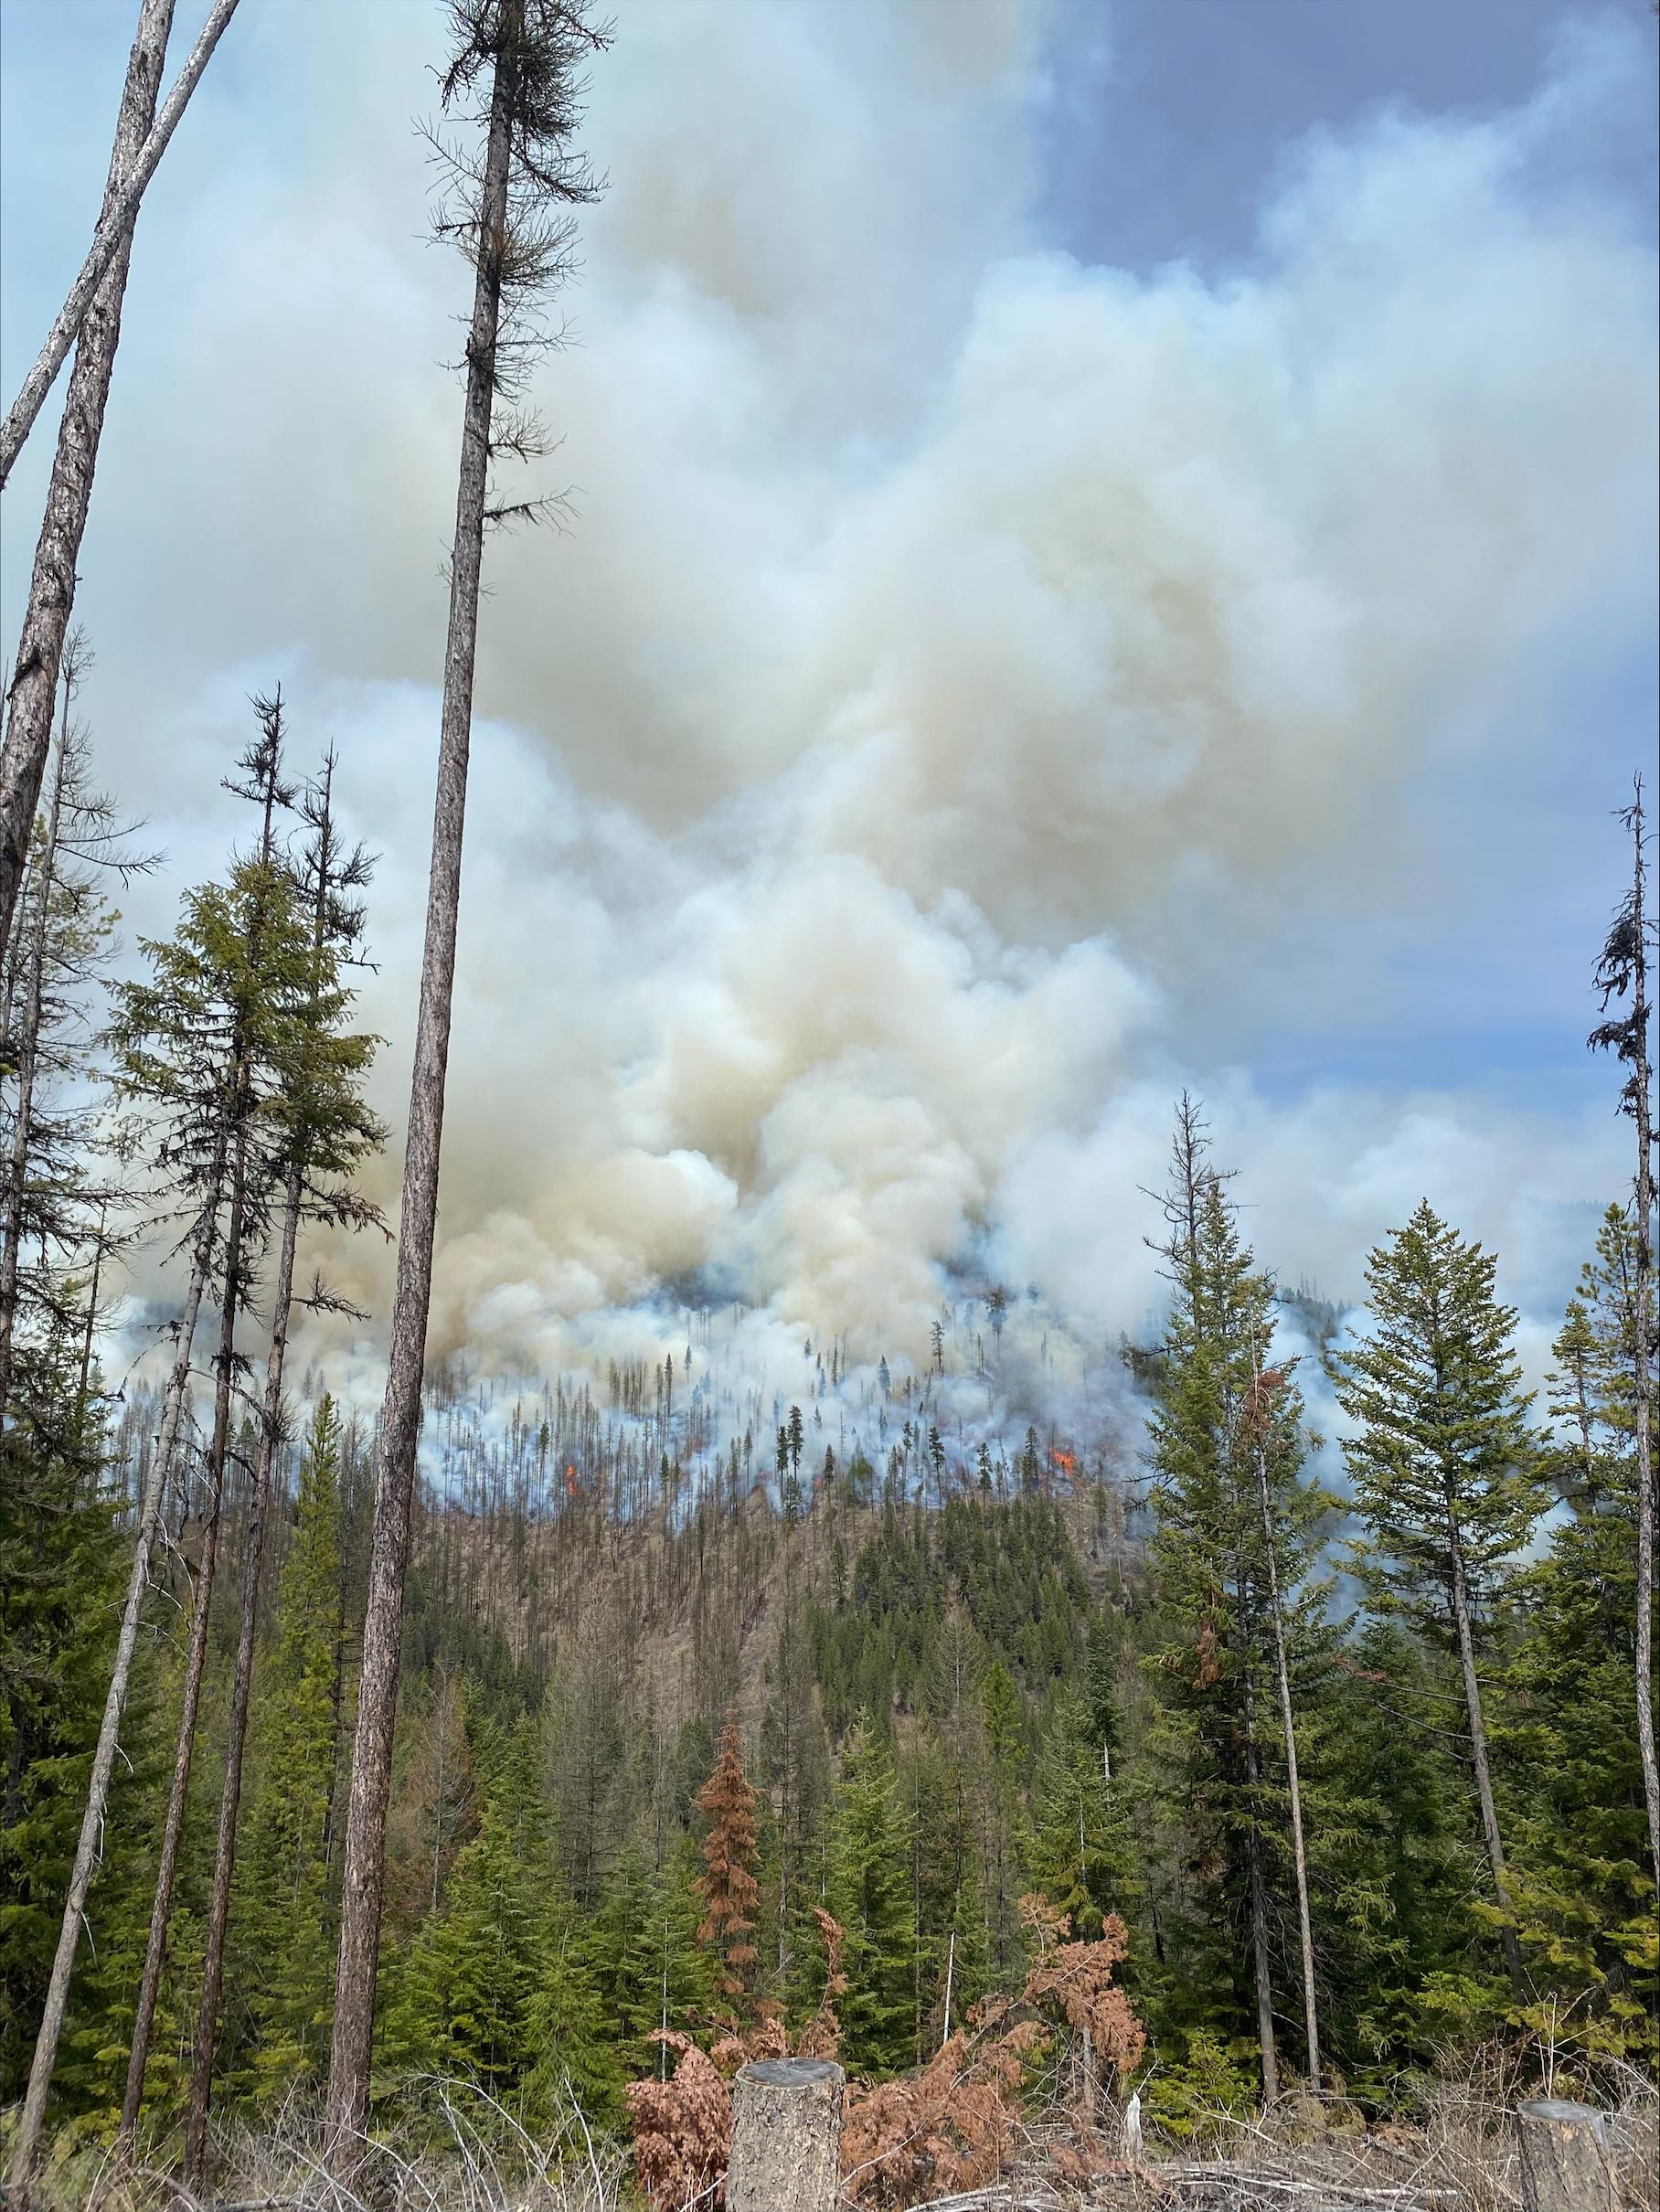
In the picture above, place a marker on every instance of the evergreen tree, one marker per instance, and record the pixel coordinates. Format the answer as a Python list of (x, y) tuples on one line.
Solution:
[(649, 1957), (1581, 1891), (472, 1977), (61, 1570), (1082, 1854), (868, 1892), (574, 2057), (1236, 1521), (284, 1955), (1446, 1472)]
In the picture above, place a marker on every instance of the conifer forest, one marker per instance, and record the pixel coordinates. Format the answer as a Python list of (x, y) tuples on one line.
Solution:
[(827, 1110)]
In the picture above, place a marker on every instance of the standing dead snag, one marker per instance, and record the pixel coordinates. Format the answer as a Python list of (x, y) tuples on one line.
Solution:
[(1623, 972), (51, 600), (512, 218), (1267, 1385)]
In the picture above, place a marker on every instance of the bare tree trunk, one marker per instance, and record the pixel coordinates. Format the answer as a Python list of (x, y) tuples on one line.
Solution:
[(1258, 1906), (1478, 1756), (28, 1054), (1288, 1725), (1644, 1334), (115, 227), (51, 598), (88, 1848), (231, 1795), (364, 1877), (166, 1872)]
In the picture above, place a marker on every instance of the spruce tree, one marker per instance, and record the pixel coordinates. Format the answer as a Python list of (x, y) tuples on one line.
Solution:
[(284, 1920), (1235, 1524), (1081, 1853), (1446, 1473), (200, 1050), (322, 1131), (868, 1893)]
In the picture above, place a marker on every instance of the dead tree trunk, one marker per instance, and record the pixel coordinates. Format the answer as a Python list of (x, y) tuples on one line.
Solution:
[(156, 1950), (51, 598), (1310, 2011), (787, 2136), (115, 226), (1642, 1295), (88, 1848), (364, 1877), (1261, 1970)]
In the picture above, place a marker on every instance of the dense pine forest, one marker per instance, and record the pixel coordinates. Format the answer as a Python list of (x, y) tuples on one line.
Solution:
[(430, 1776)]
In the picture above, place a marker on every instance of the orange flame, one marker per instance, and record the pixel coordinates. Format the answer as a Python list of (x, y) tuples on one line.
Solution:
[(1066, 1461), (571, 1485)]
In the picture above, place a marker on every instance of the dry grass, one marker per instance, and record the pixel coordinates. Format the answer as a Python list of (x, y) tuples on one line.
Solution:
[(448, 2147), (442, 2146)]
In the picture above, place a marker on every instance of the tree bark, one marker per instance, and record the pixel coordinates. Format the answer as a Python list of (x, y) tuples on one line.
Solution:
[(156, 1950), (51, 598), (29, 1060), (1288, 1725), (114, 224), (787, 2136), (1478, 1755), (88, 1850), (1565, 2161), (230, 1794), (363, 1876)]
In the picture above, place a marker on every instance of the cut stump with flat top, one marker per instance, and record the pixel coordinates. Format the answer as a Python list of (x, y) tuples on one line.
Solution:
[(1564, 2162), (787, 2136)]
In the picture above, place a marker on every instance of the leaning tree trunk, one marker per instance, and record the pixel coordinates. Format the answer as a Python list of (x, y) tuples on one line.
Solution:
[(1478, 1758), (115, 226), (364, 1877), (1311, 2013), (28, 1058), (156, 1948), (231, 1795), (88, 1848), (46, 618)]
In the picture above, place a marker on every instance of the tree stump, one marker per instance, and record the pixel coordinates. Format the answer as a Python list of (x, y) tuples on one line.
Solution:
[(1565, 2161), (787, 2136)]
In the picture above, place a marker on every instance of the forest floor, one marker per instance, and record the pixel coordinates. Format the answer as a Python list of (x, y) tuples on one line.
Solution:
[(1459, 2155)]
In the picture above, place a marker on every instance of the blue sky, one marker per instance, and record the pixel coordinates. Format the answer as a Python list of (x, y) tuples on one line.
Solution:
[(1112, 546)]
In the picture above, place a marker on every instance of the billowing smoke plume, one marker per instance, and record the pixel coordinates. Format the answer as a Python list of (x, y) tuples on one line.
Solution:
[(885, 790)]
